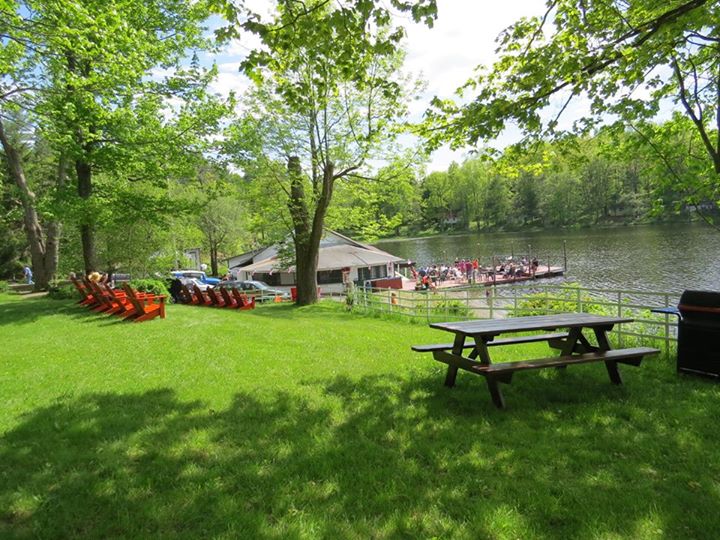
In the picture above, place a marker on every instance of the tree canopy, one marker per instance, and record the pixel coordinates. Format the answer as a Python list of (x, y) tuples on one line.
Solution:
[(626, 57)]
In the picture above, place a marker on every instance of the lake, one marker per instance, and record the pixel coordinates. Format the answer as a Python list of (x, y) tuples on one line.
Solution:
[(653, 258)]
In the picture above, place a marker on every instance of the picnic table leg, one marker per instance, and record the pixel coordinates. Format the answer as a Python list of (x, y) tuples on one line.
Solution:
[(493, 383), (573, 337), (457, 349), (495, 392), (604, 345)]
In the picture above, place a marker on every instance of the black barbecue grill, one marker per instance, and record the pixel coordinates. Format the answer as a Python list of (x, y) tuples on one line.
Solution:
[(698, 332)]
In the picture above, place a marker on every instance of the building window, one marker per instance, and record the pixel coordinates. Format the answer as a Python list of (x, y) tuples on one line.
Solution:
[(375, 272), (270, 279), (329, 276)]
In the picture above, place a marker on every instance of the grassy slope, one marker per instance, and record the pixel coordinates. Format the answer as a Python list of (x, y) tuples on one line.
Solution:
[(287, 422)]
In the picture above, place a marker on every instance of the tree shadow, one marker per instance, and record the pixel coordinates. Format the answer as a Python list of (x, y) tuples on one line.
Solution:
[(29, 310), (384, 456)]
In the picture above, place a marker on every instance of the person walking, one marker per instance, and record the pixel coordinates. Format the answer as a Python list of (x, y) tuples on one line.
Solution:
[(27, 272)]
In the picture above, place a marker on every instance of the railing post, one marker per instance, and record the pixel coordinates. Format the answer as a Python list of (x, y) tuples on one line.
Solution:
[(579, 301), (667, 325), (490, 300), (619, 314)]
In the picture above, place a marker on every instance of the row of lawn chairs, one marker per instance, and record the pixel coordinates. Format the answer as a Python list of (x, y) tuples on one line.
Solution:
[(229, 297), (126, 303)]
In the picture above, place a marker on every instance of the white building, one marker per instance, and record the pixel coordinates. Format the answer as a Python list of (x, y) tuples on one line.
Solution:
[(341, 260)]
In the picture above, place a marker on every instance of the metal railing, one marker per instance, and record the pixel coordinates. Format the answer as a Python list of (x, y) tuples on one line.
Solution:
[(487, 302)]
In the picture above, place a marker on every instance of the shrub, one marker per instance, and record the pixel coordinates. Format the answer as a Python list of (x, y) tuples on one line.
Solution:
[(3, 286), (568, 300), (153, 286), (63, 292), (456, 308)]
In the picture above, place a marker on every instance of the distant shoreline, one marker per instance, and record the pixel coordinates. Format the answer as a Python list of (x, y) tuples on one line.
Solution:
[(603, 226)]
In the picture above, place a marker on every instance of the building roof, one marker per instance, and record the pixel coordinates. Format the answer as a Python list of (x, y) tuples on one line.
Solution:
[(332, 258), (336, 251), (243, 258)]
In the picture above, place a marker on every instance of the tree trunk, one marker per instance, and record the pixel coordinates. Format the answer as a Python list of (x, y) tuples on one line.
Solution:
[(87, 229), (43, 254), (308, 233), (306, 274), (213, 260)]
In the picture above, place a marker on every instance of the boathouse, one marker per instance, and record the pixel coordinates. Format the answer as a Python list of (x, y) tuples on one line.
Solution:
[(341, 260)]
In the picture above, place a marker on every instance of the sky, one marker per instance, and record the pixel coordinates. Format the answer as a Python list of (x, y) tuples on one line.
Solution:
[(462, 38)]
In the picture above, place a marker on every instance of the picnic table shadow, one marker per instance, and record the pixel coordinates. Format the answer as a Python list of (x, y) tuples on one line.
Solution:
[(390, 454)]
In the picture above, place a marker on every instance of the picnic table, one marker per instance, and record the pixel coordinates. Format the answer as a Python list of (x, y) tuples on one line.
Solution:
[(574, 346)]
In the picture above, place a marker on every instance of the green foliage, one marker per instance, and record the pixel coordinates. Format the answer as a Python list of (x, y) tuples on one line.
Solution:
[(3, 286), (105, 92), (153, 286), (63, 292), (568, 300), (456, 308)]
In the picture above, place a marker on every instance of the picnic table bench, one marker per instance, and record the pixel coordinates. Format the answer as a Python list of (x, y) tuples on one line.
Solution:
[(574, 346)]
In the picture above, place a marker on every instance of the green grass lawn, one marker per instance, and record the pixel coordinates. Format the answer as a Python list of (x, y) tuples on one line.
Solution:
[(314, 423)]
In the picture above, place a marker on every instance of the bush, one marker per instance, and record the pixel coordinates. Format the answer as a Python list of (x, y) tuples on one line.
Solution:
[(456, 308), (63, 292), (568, 300), (4, 286), (153, 286)]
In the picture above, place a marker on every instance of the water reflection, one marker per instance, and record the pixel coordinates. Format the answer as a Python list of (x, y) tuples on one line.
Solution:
[(657, 258)]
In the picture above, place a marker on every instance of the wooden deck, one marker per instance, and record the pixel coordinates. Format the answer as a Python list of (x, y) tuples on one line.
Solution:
[(543, 272)]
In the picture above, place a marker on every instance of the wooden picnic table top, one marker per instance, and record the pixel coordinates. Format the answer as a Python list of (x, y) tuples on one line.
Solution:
[(523, 324)]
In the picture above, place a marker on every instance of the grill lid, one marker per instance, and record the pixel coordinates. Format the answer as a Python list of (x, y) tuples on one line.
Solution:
[(704, 304)]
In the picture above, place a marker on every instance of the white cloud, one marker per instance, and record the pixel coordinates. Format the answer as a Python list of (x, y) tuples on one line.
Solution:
[(463, 37), (446, 55)]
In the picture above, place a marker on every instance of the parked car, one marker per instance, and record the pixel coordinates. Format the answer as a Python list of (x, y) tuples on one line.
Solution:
[(259, 289), (196, 274), (190, 282)]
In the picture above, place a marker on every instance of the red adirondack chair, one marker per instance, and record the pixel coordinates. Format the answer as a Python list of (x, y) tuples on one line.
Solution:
[(125, 307), (101, 303), (228, 299), (86, 298), (147, 307), (200, 297), (186, 295), (242, 299), (215, 298), (111, 304)]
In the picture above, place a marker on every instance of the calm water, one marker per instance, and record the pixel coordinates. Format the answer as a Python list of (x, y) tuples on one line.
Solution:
[(658, 258)]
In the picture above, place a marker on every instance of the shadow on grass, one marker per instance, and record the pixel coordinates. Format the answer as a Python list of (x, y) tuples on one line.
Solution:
[(375, 457), (28, 310)]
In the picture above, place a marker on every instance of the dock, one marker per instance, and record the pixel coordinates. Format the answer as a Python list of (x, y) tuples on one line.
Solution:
[(543, 272)]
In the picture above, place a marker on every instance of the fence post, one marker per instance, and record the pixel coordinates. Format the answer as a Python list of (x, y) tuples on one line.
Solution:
[(619, 313), (667, 326), (579, 301), (427, 305), (490, 300)]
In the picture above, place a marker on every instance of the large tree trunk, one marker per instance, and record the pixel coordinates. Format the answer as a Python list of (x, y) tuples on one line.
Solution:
[(87, 228), (308, 233), (44, 254)]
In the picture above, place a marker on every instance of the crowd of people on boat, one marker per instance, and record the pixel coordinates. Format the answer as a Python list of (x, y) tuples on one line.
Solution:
[(471, 271)]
